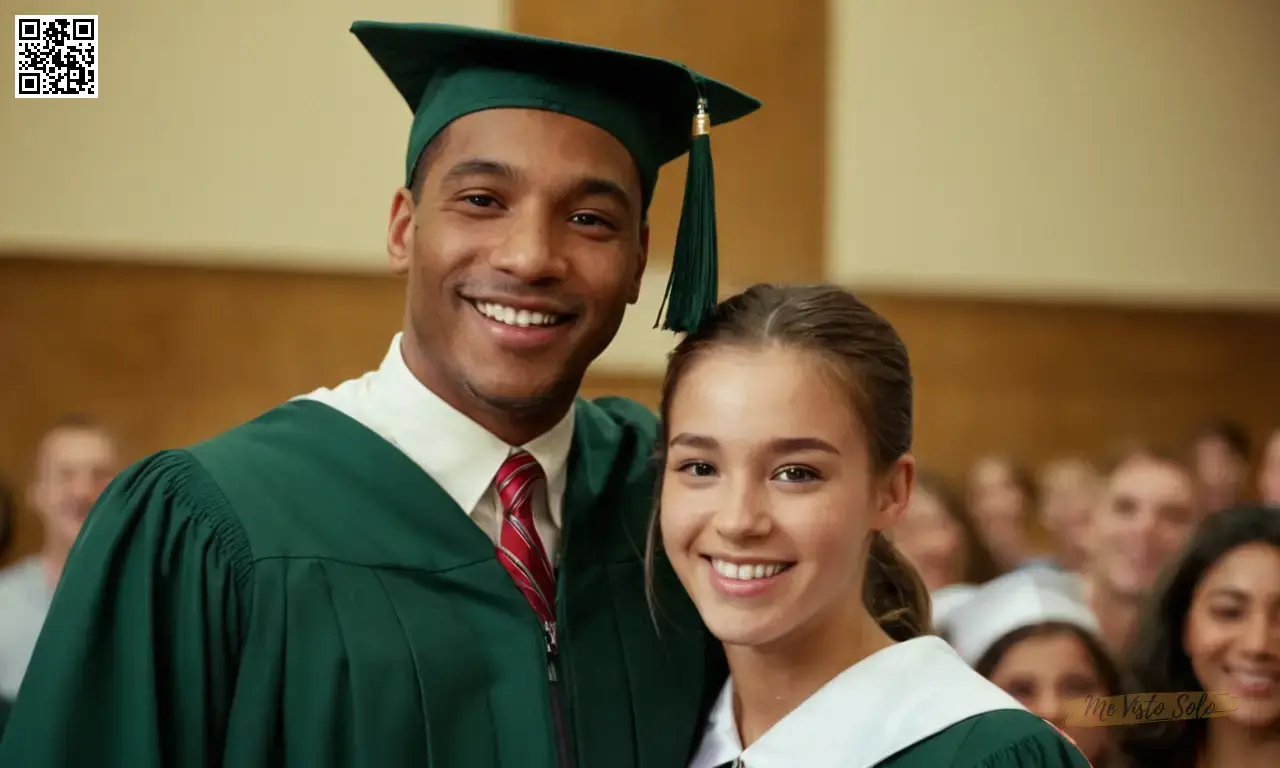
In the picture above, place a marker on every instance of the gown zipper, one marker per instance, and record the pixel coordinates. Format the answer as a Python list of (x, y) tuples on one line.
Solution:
[(557, 697)]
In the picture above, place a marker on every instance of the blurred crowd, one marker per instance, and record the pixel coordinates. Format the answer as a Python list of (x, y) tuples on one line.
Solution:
[(1155, 571), (1158, 570)]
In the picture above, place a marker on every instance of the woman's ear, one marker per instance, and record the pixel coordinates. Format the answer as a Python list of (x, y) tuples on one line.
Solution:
[(895, 488)]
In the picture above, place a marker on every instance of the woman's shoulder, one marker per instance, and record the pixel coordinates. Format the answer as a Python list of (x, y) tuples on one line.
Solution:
[(1008, 738)]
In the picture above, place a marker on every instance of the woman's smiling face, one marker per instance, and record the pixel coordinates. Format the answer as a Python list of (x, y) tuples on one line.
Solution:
[(768, 496)]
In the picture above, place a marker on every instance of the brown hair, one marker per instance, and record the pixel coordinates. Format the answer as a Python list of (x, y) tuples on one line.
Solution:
[(1019, 475), (980, 564), (1232, 433), (1130, 450), (866, 353)]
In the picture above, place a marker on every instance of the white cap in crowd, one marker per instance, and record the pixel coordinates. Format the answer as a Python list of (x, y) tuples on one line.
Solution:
[(947, 600), (1011, 602)]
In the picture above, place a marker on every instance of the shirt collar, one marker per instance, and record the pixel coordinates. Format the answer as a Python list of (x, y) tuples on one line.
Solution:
[(459, 454), (869, 712)]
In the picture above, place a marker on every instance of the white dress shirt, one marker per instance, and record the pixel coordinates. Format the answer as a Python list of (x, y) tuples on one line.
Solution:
[(887, 702), (459, 455)]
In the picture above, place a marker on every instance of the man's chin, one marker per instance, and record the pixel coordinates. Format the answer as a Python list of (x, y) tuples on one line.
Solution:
[(522, 396)]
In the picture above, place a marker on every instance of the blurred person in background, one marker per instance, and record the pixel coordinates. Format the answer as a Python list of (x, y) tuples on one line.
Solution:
[(1069, 491), (1269, 472), (1214, 625), (1220, 457), (1000, 497), (938, 538), (1039, 643), (75, 461), (1148, 510)]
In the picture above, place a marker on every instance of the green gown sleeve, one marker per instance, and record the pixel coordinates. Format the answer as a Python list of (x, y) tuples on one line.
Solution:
[(1036, 752), (136, 663), (1037, 746)]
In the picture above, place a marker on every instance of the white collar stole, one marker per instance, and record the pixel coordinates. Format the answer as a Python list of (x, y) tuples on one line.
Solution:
[(885, 703)]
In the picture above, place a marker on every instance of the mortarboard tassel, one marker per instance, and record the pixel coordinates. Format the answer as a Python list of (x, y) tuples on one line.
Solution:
[(693, 289)]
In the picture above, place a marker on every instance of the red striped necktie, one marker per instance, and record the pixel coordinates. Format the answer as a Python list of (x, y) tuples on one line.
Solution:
[(519, 548)]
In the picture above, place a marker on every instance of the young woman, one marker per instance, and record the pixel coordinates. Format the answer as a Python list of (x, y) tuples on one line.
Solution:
[(786, 426), (1214, 625), (1001, 499), (939, 539), (1031, 633)]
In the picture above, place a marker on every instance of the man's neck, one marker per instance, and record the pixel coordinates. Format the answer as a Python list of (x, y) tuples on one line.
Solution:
[(1230, 743), (1117, 614), (769, 683), (513, 423)]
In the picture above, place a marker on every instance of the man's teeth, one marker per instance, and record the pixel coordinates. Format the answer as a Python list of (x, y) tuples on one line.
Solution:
[(512, 316), (746, 571)]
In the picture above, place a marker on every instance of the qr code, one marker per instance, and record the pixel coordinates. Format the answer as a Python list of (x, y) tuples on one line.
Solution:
[(56, 57)]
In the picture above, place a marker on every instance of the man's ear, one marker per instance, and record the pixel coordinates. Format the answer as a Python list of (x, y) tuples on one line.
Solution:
[(641, 263), (895, 488), (400, 232)]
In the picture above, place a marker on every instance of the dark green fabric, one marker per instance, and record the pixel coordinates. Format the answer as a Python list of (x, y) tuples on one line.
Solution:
[(1003, 739), (693, 287), (296, 592), (445, 71), (4, 715)]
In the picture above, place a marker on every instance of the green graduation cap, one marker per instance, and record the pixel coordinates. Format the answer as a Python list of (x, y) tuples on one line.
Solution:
[(656, 108)]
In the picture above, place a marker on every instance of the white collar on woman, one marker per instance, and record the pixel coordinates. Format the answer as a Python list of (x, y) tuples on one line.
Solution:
[(885, 703)]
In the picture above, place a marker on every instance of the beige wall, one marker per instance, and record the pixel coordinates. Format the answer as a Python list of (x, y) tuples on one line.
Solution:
[(232, 131), (1085, 148)]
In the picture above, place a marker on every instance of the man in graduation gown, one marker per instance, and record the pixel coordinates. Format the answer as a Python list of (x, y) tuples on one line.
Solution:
[(438, 564)]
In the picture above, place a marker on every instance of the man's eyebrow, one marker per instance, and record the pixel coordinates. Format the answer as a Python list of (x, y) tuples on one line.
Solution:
[(594, 185), (479, 166)]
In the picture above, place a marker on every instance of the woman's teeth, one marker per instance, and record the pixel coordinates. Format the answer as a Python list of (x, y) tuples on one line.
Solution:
[(747, 571), (1255, 681), (512, 316)]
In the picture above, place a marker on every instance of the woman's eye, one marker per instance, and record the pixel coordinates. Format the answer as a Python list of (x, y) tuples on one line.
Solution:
[(697, 468), (796, 474), (1079, 687), (1226, 613)]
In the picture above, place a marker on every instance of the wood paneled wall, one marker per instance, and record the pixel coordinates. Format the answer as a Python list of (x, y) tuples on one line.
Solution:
[(169, 355), (771, 166)]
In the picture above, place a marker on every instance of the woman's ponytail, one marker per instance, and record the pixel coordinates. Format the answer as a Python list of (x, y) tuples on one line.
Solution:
[(894, 593)]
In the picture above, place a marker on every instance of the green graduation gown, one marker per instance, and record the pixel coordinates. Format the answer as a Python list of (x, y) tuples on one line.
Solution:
[(297, 592), (915, 704)]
